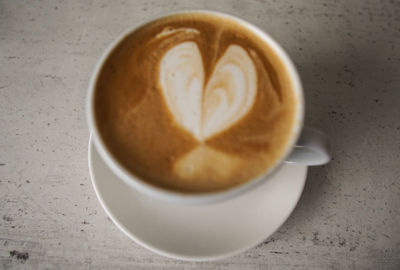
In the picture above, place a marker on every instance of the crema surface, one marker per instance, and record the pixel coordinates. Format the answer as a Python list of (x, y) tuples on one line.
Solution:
[(195, 103)]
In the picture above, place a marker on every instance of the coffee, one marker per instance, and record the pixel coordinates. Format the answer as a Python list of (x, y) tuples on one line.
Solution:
[(195, 102)]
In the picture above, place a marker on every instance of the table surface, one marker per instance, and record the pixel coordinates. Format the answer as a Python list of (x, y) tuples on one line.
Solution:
[(348, 55)]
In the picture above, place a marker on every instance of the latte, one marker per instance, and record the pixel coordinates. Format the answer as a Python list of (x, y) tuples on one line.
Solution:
[(195, 102)]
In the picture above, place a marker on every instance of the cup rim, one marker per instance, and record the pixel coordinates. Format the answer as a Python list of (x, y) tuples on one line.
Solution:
[(195, 198)]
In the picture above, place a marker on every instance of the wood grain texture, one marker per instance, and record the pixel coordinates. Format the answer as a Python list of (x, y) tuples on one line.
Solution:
[(348, 55)]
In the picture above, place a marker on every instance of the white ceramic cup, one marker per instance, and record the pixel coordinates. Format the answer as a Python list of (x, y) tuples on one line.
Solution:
[(305, 146)]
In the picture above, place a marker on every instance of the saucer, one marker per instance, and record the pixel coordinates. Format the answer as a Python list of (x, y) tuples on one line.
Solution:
[(198, 232)]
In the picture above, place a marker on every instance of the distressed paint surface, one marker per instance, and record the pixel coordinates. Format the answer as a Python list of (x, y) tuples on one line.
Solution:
[(348, 54)]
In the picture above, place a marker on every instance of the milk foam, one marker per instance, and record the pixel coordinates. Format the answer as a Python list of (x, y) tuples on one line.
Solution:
[(182, 79), (167, 31), (207, 109), (204, 162)]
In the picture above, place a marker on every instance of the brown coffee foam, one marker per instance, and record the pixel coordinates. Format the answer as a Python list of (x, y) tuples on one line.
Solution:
[(140, 132)]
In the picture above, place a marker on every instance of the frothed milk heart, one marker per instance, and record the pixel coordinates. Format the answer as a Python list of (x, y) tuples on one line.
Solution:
[(206, 109), (194, 103)]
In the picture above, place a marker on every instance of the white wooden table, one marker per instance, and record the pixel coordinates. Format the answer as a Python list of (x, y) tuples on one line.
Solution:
[(348, 54)]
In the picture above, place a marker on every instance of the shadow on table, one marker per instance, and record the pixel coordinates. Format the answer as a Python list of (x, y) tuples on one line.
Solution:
[(344, 93)]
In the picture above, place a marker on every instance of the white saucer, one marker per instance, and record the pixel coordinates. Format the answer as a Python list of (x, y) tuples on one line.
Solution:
[(198, 232)]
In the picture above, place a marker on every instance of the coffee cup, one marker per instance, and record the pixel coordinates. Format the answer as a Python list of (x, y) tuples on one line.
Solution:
[(198, 107)]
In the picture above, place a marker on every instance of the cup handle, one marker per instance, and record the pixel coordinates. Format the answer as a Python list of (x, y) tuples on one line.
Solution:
[(311, 149)]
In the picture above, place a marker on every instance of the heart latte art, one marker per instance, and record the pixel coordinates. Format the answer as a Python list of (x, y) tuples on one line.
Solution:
[(194, 103), (205, 109)]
